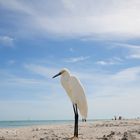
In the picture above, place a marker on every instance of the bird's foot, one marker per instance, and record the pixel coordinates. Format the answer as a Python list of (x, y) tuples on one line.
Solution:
[(74, 138)]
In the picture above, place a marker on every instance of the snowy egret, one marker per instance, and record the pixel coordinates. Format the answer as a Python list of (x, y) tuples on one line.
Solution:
[(75, 91)]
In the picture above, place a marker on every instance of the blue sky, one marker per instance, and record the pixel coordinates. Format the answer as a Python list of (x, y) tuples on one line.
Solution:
[(98, 41)]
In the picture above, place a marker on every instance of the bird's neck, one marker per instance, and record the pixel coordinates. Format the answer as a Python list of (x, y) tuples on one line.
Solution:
[(66, 75)]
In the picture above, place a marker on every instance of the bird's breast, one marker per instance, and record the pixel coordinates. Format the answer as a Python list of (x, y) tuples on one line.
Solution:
[(66, 85)]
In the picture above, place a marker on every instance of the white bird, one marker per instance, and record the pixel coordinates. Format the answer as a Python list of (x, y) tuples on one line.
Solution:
[(75, 91)]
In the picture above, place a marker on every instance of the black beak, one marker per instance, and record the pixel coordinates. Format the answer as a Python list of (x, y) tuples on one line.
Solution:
[(57, 75)]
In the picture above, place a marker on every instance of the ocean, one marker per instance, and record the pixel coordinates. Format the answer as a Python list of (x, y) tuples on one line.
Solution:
[(9, 124)]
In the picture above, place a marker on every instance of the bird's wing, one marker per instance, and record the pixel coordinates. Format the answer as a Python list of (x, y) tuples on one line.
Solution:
[(79, 97)]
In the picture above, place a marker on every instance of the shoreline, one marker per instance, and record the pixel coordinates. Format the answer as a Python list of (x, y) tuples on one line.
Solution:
[(26, 123), (96, 130), (22, 123)]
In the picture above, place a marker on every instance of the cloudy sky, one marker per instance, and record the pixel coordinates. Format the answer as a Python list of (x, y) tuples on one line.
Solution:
[(98, 41)]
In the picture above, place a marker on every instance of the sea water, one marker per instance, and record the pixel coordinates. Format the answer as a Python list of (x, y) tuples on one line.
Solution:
[(8, 124)]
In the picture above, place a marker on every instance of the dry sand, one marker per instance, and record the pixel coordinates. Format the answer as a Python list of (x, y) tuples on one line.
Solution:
[(97, 130)]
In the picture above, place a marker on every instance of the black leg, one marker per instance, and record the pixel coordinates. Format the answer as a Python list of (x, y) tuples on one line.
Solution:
[(74, 109), (76, 120)]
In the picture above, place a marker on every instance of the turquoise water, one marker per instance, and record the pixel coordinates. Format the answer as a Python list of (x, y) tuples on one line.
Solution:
[(8, 124)]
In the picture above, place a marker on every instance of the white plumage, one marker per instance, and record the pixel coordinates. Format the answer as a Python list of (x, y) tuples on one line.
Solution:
[(75, 91)]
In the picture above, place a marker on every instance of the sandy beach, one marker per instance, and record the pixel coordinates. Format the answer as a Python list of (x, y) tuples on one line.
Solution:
[(96, 130)]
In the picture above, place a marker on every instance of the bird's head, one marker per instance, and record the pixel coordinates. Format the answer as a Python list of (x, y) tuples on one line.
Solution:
[(64, 70)]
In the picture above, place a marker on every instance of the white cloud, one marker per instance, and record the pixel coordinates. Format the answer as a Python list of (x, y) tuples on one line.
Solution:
[(128, 46), (10, 79), (134, 53), (133, 50), (17, 6), (125, 105), (42, 70), (6, 41), (91, 18), (112, 92), (32, 96), (77, 59), (134, 56), (112, 61), (94, 79), (117, 93), (128, 75), (101, 62)]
